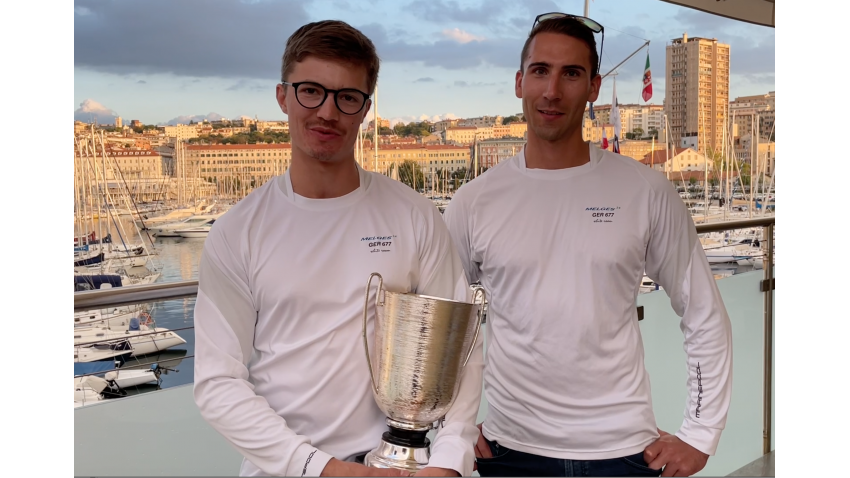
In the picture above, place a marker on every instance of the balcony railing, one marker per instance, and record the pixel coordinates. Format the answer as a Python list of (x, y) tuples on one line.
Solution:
[(174, 440)]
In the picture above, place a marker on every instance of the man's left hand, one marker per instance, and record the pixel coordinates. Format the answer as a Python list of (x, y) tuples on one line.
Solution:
[(675, 456), (434, 471)]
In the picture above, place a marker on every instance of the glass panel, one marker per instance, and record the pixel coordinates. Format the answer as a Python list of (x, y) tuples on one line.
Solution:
[(741, 441)]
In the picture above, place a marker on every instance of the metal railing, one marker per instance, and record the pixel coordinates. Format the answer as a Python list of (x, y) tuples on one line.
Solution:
[(101, 298)]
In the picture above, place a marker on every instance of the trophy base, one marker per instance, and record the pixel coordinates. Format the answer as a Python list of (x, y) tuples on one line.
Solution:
[(402, 450)]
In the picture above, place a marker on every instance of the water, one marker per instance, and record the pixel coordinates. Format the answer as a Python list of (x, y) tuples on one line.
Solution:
[(178, 260)]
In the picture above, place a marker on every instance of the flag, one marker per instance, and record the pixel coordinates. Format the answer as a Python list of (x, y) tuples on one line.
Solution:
[(604, 138), (615, 120), (647, 81)]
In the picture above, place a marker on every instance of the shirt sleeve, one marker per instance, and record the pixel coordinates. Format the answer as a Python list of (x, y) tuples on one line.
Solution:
[(676, 260), (443, 276), (225, 317)]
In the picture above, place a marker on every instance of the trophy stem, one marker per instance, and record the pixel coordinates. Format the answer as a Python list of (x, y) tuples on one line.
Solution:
[(407, 438), (402, 449)]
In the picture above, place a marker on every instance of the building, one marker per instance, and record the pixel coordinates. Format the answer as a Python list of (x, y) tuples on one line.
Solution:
[(744, 149), (493, 151), (429, 157), (481, 121), (138, 173), (460, 134), (246, 164), (697, 90), (750, 112), (519, 129), (135, 124), (633, 117), (118, 123), (443, 125), (681, 160), (262, 126), (638, 149), (385, 123), (593, 133), (181, 132)]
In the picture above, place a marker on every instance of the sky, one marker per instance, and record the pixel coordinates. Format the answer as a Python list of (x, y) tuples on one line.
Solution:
[(163, 61)]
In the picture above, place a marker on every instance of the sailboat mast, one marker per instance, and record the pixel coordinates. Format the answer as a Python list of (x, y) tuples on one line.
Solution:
[(375, 133)]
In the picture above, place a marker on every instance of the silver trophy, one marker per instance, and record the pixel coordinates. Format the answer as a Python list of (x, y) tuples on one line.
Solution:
[(422, 344)]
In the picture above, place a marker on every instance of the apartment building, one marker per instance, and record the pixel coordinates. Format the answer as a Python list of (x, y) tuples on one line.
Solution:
[(252, 163), (697, 91), (493, 151), (429, 157)]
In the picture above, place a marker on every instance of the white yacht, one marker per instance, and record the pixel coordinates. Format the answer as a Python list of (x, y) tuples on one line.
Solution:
[(172, 216), (170, 230), (194, 232), (87, 390), (143, 338)]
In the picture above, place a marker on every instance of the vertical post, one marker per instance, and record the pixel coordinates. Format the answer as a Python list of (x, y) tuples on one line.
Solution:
[(586, 6), (768, 337)]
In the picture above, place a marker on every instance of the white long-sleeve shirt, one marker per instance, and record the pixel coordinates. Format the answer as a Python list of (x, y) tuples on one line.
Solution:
[(280, 368), (561, 254)]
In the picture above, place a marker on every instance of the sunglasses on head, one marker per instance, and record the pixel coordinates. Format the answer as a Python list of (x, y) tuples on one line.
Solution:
[(594, 26)]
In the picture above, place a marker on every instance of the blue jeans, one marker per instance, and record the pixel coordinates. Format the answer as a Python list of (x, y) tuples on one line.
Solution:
[(507, 462)]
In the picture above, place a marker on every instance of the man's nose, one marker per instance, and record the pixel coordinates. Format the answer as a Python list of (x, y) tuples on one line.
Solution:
[(553, 90), (328, 111)]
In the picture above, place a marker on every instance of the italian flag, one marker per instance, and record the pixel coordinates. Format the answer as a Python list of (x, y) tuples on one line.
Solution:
[(647, 81)]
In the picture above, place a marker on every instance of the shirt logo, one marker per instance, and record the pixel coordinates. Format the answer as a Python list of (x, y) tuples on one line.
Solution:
[(379, 243), (602, 214)]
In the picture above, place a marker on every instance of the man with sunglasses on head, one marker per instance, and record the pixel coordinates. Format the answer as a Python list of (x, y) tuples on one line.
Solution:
[(280, 368), (560, 236)]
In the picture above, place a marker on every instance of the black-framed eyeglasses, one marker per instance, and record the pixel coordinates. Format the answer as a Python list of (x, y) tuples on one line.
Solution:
[(311, 95), (593, 25)]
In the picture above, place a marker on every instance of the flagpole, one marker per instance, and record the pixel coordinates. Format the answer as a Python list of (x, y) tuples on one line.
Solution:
[(627, 59)]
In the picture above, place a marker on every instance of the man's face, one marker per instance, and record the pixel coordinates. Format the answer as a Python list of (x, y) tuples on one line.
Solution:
[(555, 86), (324, 133)]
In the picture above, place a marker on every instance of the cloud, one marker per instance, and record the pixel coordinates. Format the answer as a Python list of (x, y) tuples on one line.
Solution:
[(420, 118), (248, 85), (195, 46), (196, 118), (142, 82), (90, 110), (427, 79), (449, 54), (194, 50), (461, 36), (477, 84), (442, 12)]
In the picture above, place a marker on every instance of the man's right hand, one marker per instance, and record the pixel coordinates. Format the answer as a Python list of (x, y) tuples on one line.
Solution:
[(343, 468), (482, 449)]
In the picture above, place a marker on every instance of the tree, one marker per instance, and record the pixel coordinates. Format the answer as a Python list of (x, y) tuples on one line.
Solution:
[(511, 119), (384, 131), (408, 171), (637, 133), (693, 180), (653, 133)]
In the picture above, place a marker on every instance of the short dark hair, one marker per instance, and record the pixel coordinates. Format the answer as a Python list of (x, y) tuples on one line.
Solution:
[(569, 27), (332, 40)]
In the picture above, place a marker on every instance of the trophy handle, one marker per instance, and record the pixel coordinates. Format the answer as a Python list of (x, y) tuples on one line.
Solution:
[(365, 316), (478, 325)]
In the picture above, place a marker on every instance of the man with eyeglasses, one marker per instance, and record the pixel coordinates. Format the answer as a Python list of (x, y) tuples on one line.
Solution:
[(280, 369), (560, 236)]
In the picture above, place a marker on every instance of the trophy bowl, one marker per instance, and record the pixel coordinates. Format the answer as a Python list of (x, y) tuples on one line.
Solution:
[(421, 345)]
